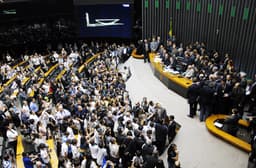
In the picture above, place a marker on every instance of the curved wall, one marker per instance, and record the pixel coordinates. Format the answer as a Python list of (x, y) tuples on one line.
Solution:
[(227, 26)]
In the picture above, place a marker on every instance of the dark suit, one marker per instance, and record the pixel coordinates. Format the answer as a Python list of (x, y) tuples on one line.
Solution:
[(206, 97), (152, 162), (161, 133), (237, 98), (146, 50), (171, 131), (192, 95), (223, 103), (231, 124)]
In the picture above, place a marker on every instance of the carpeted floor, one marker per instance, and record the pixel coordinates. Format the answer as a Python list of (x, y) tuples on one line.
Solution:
[(197, 147)]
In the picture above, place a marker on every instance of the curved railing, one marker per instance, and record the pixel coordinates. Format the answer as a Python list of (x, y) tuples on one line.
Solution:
[(226, 136), (137, 56)]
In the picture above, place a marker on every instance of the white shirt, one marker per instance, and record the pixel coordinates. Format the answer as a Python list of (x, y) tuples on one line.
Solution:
[(7, 164), (70, 133), (11, 135), (56, 56), (75, 152), (26, 108), (8, 58), (44, 155), (94, 150), (62, 114), (100, 156), (64, 149), (93, 164), (114, 150), (34, 117)]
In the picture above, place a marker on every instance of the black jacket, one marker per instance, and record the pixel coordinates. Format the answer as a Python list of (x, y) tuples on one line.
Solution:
[(193, 93)]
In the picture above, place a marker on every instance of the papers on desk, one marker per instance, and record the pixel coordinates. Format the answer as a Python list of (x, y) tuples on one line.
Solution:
[(218, 125), (157, 59), (168, 69)]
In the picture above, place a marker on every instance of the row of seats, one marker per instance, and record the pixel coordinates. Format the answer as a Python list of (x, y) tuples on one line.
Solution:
[(50, 142)]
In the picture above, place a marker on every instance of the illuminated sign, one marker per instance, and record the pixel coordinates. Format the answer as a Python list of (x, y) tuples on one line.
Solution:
[(102, 22)]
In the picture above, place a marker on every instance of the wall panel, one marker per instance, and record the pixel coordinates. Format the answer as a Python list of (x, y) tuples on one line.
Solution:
[(227, 26)]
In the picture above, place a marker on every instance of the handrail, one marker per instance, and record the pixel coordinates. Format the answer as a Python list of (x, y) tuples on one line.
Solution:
[(41, 80), (12, 78), (53, 155), (19, 64), (19, 151), (24, 81), (81, 68)]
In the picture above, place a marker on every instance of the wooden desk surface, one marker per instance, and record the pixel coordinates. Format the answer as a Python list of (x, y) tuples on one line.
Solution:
[(222, 134), (182, 81)]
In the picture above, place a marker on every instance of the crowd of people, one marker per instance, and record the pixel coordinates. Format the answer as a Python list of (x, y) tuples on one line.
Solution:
[(217, 85), (88, 114), (217, 88)]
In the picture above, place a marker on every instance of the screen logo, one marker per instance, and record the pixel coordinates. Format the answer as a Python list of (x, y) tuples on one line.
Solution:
[(102, 22)]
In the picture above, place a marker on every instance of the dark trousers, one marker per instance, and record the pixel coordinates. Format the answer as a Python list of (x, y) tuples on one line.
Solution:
[(160, 146), (13, 145), (205, 111), (146, 56), (192, 109)]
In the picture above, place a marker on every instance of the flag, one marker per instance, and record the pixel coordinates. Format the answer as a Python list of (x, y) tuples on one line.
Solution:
[(170, 31)]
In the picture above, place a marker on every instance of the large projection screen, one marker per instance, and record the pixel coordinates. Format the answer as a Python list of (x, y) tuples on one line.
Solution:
[(105, 20)]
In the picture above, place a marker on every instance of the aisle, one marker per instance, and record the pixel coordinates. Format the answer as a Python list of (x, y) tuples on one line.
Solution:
[(198, 148)]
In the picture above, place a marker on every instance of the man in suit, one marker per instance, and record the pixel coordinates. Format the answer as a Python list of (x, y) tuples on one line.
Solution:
[(171, 129), (231, 123), (161, 133), (223, 97), (206, 98), (146, 50), (192, 96)]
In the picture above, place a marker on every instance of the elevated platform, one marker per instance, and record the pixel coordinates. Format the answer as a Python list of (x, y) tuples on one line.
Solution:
[(226, 136), (175, 82)]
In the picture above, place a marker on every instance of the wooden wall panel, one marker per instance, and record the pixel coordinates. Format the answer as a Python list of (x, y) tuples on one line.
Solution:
[(229, 31)]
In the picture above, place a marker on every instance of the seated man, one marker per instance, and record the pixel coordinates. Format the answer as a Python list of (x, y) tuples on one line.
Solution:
[(231, 123)]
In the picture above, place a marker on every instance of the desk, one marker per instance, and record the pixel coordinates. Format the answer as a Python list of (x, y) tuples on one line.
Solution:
[(134, 55), (224, 135), (174, 82)]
